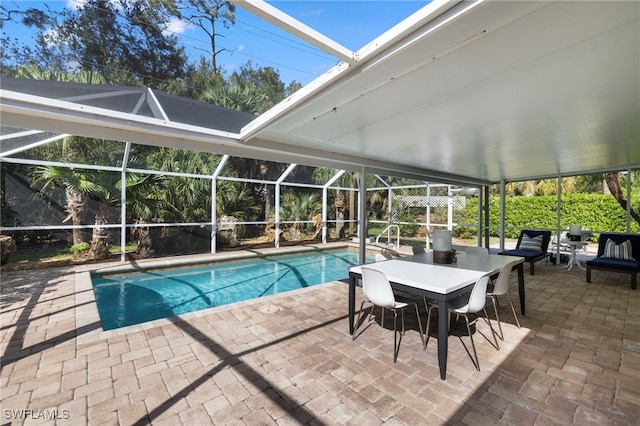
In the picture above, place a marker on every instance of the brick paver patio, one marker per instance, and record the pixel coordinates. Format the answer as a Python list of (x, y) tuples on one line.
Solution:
[(288, 359)]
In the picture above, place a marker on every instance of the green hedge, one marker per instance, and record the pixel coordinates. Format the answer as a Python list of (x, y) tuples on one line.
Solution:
[(599, 212)]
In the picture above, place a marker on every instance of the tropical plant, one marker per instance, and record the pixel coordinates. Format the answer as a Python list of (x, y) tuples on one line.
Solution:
[(238, 96), (299, 207)]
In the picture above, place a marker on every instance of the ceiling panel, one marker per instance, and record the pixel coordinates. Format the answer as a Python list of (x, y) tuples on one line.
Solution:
[(505, 90)]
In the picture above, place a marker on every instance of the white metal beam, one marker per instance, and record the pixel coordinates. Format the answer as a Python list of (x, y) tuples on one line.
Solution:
[(282, 20)]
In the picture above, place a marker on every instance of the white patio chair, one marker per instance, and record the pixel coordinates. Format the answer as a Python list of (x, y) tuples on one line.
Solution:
[(500, 287), (561, 242), (465, 305), (377, 290)]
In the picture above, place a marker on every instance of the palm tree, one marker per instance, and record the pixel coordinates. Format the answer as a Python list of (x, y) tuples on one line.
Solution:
[(542, 187), (77, 183), (298, 207), (80, 185)]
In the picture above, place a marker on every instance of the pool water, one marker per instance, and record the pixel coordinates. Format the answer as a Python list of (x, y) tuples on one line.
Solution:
[(145, 296)]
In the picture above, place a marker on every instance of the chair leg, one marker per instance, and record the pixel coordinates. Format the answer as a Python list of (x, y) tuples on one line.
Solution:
[(426, 331), (495, 309), (355, 329), (513, 309), (396, 343), (353, 336), (422, 336), (493, 332), (476, 363)]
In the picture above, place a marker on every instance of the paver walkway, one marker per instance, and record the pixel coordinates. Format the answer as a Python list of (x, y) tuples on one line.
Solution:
[(288, 359)]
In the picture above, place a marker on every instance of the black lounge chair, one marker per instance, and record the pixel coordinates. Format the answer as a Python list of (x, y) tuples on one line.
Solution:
[(533, 248), (616, 261)]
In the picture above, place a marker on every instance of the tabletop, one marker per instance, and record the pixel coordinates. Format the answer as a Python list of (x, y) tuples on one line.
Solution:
[(424, 276), (420, 272)]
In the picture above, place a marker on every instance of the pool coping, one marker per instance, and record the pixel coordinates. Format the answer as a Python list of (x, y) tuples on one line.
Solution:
[(88, 323)]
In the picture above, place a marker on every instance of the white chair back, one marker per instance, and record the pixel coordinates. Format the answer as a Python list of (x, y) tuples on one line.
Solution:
[(501, 285), (478, 296), (377, 289)]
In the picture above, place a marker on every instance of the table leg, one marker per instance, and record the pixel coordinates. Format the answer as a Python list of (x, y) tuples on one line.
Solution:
[(521, 286), (443, 337), (352, 302), (572, 257), (578, 264)]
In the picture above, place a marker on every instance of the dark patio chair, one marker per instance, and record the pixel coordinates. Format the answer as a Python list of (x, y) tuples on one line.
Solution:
[(533, 246)]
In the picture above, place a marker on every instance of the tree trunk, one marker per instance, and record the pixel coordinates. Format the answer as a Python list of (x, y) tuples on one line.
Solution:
[(340, 207), (76, 207), (613, 183), (100, 239)]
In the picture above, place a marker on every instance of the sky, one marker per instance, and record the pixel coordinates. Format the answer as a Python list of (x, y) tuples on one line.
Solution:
[(351, 23)]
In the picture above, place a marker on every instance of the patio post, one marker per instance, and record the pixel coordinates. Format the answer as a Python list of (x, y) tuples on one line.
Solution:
[(362, 215)]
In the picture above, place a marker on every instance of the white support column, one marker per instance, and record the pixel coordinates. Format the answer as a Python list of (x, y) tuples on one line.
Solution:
[(449, 208), (281, 179), (324, 214), (214, 219), (277, 212), (487, 218), (480, 206), (390, 213), (559, 219), (214, 202), (362, 215), (123, 202), (502, 212), (628, 200), (325, 190), (428, 233)]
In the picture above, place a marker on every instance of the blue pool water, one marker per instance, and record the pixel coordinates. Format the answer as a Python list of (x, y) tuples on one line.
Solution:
[(145, 296)]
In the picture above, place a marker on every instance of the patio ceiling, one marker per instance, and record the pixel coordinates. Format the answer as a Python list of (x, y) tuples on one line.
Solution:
[(473, 92), (480, 90)]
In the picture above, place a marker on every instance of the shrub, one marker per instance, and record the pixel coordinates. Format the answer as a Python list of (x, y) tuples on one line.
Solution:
[(599, 212), (79, 248)]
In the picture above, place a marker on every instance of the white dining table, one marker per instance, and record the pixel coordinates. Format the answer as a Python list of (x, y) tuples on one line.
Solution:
[(420, 276)]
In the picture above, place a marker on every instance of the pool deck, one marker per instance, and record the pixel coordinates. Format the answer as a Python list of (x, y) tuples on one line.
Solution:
[(288, 359)]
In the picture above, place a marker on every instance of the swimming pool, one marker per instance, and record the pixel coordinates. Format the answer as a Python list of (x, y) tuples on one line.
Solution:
[(145, 296)]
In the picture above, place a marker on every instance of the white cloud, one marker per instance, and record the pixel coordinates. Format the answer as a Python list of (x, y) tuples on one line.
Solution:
[(52, 38), (312, 12), (75, 4), (175, 26)]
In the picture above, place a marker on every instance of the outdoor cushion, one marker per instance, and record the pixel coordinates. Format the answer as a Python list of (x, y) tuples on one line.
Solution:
[(618, 251), (527, 254), (621, 245), (531, 243), (611, 263)]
